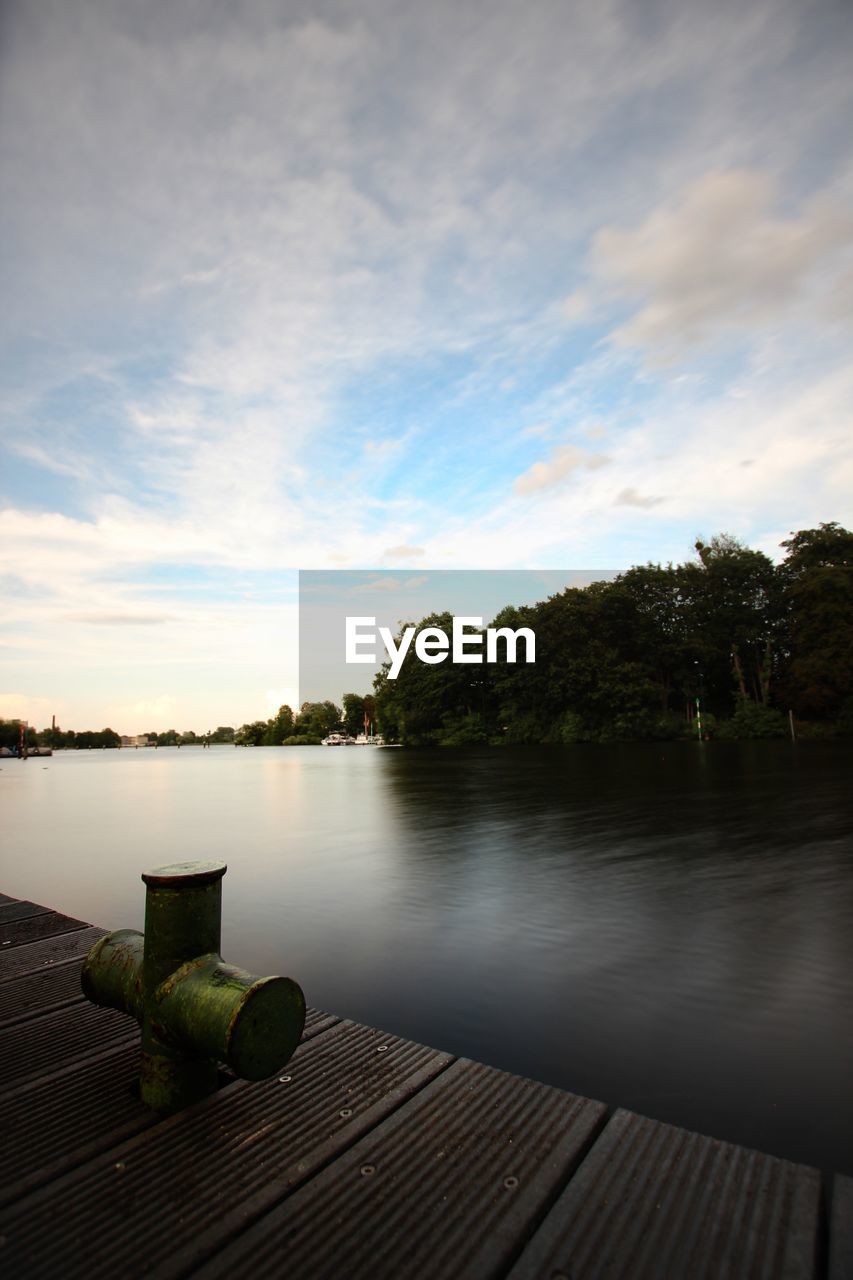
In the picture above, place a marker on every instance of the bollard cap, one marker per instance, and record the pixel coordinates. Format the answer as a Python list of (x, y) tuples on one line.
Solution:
[(185, 875)]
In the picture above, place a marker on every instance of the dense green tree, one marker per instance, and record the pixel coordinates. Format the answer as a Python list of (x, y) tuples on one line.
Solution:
[(353, 713), (358, 711), (817, 594), (753, 720), (587, 682), (657, 629), (279, 728), (428, 703), (734, 611), (317, 719), (728, 633), (827, 547), (10, 735), (252, 735), (90, 740), (223, 733)]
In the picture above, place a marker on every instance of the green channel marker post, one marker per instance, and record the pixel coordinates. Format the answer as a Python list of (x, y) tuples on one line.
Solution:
[(195, 1011)]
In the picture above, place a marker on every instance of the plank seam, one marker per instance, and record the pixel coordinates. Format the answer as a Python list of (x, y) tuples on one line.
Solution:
[(50, 966), (257, 1206), (10, 945), (30, 915), (558, 1190), (116, 1039), (32, 1014), (42, 1177), (35, 1082)]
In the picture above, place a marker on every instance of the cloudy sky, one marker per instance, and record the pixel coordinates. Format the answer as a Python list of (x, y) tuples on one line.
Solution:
[(457, 285)]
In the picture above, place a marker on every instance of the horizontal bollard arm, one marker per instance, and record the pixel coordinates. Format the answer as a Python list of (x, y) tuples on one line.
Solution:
[(112, 972), (251, 1024)]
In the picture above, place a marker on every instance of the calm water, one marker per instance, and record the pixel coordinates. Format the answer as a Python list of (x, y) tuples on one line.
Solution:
[(666, 928)]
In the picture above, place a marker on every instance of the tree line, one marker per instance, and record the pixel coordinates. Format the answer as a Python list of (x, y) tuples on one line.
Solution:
[(310, 724), (91, 739), (725, 645), (84, 739)]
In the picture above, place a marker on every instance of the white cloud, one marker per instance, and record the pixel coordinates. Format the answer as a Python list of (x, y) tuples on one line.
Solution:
[(629, 497), (716, 260), (558, 466), (388, 584), (61, 464), (402, 552)]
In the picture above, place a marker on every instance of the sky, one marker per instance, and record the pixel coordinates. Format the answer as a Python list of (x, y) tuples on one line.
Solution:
[(394, 286)]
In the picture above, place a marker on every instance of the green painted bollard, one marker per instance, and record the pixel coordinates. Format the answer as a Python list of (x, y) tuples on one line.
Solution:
[(195, 1011)]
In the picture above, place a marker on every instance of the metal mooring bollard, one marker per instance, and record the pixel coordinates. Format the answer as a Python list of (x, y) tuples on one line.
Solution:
[(195, 1011)]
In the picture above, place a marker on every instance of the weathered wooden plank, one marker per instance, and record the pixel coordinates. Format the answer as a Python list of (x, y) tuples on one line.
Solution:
[(57, 1122), (20, 911), (17, 933), (841, 1229), (202, 1175), (4, 898), (654, 1201), (41, 954), (449, 1186), (317, 1021), (40, 1046), (41, 992)]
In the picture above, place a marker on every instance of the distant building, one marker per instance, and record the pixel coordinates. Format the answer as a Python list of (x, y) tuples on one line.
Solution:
[(137, 740)]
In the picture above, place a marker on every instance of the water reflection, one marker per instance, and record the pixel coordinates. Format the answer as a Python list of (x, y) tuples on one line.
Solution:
[(667, 927), (664, 927)]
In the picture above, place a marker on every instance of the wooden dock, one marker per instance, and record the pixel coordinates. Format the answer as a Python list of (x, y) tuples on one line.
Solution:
[(370, 1157)]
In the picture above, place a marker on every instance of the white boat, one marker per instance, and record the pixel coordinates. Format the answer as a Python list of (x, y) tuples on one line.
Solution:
[(338, 740), (370, 740)]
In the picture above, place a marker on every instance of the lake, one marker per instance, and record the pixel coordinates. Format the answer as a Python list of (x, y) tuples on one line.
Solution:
[(667, 927)]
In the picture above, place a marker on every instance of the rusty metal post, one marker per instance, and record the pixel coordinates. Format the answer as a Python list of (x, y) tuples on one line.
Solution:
[(195, 1011)]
